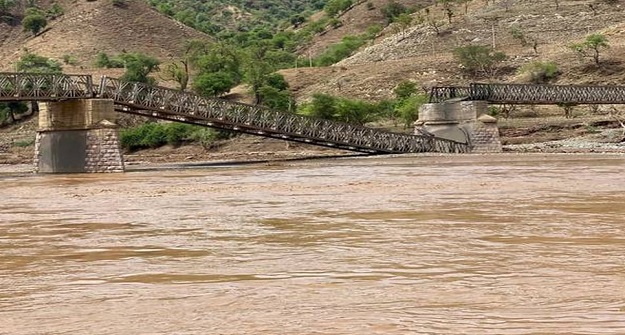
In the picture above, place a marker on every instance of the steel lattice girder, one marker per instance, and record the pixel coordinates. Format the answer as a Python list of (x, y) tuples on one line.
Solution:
[(266, 122), (531, 94), (44, 87)]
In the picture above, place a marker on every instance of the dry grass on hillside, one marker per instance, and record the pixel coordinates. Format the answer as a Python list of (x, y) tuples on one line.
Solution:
[(88, 28), (420, 55)]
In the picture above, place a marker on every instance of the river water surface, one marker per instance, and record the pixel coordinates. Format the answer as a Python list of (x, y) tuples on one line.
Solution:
[(501, 244)]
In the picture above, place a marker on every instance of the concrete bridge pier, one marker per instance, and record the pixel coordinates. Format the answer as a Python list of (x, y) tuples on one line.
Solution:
[(78, 136), (462, 121)]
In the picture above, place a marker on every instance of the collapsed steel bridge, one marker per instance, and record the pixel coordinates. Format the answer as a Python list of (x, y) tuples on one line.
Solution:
[(526, 94), (167, 104)]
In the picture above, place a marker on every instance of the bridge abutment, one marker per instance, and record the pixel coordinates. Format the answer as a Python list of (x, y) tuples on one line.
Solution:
[(78, 136), (461, 121)]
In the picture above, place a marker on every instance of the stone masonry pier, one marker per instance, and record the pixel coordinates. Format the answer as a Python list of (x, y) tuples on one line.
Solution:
[(462, 121), (78, 136)]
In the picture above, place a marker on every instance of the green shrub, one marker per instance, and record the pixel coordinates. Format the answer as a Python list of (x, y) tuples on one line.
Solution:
[(176, 133), (69, 59), (329, 107), (104, 61), (540, 72), (479, 59), (392, 10), (334, 7), (340, 51), (408, 108), (154, 135), (34, 23), (405, 89), (55, 11)]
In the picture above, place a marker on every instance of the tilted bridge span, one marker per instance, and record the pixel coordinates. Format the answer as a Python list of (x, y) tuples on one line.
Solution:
[(168, 104)]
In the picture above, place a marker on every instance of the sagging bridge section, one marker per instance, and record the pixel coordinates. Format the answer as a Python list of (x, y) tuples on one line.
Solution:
[(168, 104)]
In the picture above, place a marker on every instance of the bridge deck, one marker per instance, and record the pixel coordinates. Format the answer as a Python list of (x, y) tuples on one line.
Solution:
[(168, 104), (523, 94)]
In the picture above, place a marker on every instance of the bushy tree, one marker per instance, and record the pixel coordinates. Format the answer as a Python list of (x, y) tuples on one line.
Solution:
[(213, 84), (479, 59), (217, 57), (138, 67), (257, 69), (276, 99), (34, 22), (341, 109), (180, 70), (408, 108), (592, 46), (334, 7), (322, 106), (33, 63), (407, 103), (405, 89)]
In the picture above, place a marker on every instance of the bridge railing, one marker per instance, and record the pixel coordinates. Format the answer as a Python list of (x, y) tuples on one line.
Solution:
[(260, 119), (30, 86)]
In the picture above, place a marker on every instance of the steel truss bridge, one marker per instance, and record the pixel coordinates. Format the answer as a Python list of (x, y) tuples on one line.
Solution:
[(522, 94), (167, 104)]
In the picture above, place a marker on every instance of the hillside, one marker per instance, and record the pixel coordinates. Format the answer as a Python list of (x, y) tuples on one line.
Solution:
[(419, 54), (358, 19), (88, 28)]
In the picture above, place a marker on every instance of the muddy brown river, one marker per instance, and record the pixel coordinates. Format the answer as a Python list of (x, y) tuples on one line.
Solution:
[(502, 244)]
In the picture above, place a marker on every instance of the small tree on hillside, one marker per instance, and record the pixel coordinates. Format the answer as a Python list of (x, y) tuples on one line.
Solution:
[(479, 59), (592, 46), (138, 67), (34, 22), (405, 89)]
